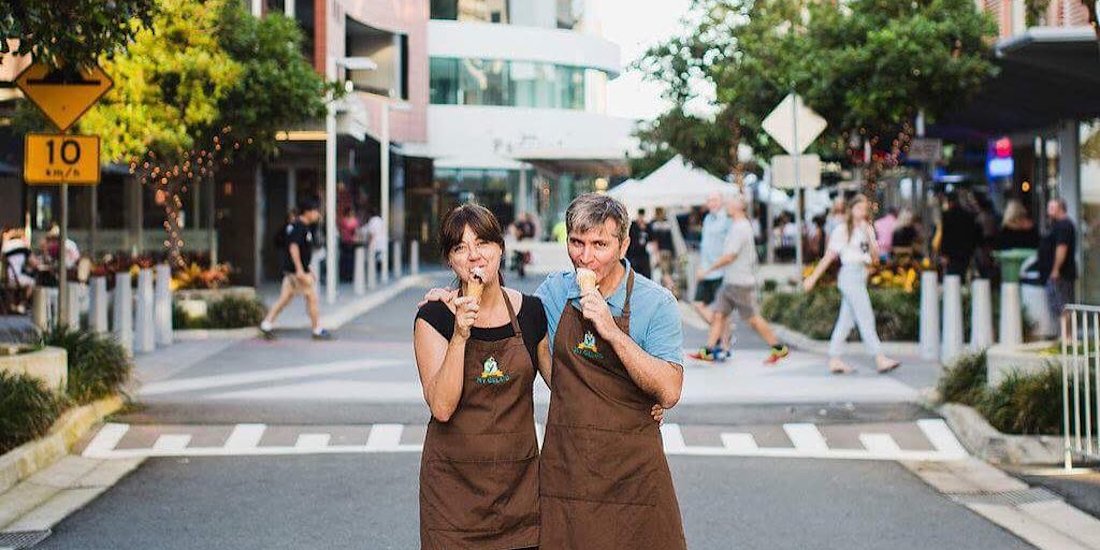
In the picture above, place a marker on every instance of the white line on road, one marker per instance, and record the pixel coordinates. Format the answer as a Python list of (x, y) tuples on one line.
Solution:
[(172, 442), (245, 437), (672, 438), (107, 438), (312, 441), (805, 437), (880, 443), (941, 437), (741, 443), (384, 437)]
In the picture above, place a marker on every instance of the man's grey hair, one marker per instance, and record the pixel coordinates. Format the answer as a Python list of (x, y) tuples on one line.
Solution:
[(590, 211)]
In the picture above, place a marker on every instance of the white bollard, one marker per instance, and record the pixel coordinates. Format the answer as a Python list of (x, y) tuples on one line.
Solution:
[(40, 308), (981, 314), (359, 276), (99, 306), (1011, 322), (384, 270), (396, 259), (163, 305), (952, 318), (372, 267), (929, 315), (414, 257), (76, 291), (124, 312), (145, 339)]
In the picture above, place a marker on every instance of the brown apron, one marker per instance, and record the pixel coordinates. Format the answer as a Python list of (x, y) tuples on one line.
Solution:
[(604, 480), (479, 471)]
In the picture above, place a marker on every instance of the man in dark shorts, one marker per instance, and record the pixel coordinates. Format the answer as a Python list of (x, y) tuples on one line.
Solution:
[(297, 279), (715, 227), (1057, 259)]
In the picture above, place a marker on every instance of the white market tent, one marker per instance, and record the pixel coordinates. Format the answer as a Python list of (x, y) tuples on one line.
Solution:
[(675, 185)]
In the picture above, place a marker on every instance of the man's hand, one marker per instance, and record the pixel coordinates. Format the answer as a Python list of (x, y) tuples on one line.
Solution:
[(700, 274), (1054, 275), (304, 279), (445, 295), (595, 309)]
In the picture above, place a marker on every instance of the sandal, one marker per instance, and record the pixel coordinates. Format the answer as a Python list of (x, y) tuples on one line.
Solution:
[(887, 365), (836, 366)]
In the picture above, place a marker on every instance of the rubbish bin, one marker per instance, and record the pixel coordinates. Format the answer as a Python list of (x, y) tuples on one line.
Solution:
[(1011, 260)]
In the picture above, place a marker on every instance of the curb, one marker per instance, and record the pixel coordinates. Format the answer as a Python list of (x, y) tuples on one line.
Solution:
[(803, 342), (28, 458), (200, 334), (985, 442)]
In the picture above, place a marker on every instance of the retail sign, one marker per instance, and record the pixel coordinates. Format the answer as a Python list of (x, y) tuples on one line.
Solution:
[(56, 159), (925, 150), (783, 174), (999, 161), (63, 94), (793, 125)]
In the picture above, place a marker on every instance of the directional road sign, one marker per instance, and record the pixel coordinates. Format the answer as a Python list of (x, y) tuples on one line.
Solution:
[(54, 159), (792, 117), (63, 95)]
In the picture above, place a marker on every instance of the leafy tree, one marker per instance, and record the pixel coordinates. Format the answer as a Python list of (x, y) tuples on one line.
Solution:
[(868, 66), (74, 31)]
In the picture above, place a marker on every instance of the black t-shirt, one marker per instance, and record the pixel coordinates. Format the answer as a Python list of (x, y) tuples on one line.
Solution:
[(1061, 232), (531, 317), (639, 237), (300, 234), (661, 232), (960, 234)]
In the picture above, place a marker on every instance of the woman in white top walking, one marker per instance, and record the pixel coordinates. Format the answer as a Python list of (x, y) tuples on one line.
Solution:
[(854, 243)]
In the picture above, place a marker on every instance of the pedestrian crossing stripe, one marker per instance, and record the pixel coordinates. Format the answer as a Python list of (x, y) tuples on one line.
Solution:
[(806, 439)]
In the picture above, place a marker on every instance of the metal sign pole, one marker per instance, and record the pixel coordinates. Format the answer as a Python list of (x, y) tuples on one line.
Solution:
[(797, 188), (63, 270)]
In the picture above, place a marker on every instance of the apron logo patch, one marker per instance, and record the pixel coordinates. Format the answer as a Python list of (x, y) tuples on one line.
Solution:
[(491, 373), (587, 347)]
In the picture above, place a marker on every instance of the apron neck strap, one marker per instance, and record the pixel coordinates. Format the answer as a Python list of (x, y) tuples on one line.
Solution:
[(511, 312), (629, 291)]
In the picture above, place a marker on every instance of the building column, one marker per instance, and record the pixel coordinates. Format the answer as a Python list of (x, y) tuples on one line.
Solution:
[(1069, 168)]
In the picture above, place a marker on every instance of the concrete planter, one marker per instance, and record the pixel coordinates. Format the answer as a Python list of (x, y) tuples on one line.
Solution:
[(50, 365), (215, 294), (1026, 358)]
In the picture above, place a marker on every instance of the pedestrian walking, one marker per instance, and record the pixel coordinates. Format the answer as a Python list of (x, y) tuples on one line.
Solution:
[(884, 229), (854, 243), (297, 278), (1058, 259), (617, 345), (716, 225), (477, 356), (660, 234), (737, 263)]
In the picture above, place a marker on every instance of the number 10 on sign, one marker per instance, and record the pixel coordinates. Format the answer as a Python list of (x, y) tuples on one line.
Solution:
[(55, 159)]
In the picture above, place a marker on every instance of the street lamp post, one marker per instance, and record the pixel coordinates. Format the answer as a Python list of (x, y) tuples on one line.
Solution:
[(356, 63)]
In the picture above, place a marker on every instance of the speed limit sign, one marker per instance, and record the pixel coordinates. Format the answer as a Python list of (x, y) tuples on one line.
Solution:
[(55, 159)]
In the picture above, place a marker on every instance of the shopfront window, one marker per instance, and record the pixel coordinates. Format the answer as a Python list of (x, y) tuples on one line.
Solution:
[(513, 84)]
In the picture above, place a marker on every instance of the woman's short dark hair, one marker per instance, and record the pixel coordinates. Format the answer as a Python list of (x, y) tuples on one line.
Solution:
[(481, 221)]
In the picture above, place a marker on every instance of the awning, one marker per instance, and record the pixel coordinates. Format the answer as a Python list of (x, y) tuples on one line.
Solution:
[(1047, 75)]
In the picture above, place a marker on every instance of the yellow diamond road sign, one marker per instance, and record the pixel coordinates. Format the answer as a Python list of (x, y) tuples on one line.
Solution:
[(63, 95), (52, 159)]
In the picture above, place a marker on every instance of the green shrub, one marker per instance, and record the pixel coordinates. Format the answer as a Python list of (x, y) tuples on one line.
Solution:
[(897, 313), (1026, 403), (98, 365), (27, 410), (964, 381), (182, 321), (234, 312)]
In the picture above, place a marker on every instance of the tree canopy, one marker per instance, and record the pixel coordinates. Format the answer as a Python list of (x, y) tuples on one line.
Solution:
[(76, 32), (867, 66)]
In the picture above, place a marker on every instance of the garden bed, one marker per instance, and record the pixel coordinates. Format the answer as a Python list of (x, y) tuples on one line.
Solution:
[(897, 312), (46, 364)]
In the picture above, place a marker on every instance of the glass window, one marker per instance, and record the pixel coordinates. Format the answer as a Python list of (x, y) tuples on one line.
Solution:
[(513, 84), (444, 81), (487, 11)]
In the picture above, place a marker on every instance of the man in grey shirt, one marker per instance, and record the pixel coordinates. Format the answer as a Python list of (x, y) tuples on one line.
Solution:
[(738, 267)]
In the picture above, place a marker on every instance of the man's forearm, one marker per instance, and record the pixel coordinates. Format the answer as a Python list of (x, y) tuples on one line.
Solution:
[(296, 258), (722, 262), (657, 377)]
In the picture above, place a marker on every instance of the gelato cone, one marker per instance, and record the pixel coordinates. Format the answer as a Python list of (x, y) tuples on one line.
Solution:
[(586, 278), (476, 284)]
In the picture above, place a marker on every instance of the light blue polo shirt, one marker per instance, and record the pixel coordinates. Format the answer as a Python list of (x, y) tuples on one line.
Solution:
[(716, 225), (654, 316)]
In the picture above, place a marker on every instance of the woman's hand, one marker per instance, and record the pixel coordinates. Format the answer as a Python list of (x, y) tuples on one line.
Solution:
[(809, 283), (466, 309), (658, 413)]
